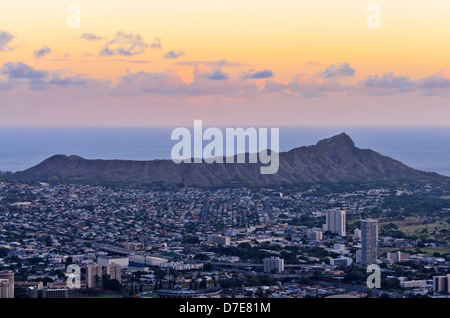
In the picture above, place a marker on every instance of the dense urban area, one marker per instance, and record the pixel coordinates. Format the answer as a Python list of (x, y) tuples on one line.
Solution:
[(71, 240)]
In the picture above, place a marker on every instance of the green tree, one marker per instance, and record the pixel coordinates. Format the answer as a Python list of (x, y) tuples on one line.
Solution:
[(111, 284), (202, 257), (4, 252), (354, 276), (318, 274)]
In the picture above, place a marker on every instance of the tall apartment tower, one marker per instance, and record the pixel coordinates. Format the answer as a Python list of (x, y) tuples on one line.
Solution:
[(336, 221), (6, 289), (441, 283), (6, 284), (114, 271), (9, 275), (369, 242), (357, 235), (94, 276), (272, 263)]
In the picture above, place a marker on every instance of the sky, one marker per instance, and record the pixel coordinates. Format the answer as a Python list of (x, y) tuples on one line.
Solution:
[(265, 63)]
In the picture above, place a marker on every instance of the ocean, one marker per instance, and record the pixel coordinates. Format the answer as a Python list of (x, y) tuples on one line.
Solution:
[(423, 148)]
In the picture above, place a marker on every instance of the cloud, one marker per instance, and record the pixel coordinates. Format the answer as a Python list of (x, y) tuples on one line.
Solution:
[(124, 44), (338, 70), (390, 84), (21, 71), (389, 81), (306, 85), (173, 54), (5, 85), (5, 41), (139, 62), (314, 63), (211, 78), (129, 61), (310, 86), (274, 87), (156, 44), (437, 81), (216, 75), (169, 83), (220, 63), (18, 74), (258, 75), (91, 37), (230, 88), (67, 81), (42, 52), (162, 83)]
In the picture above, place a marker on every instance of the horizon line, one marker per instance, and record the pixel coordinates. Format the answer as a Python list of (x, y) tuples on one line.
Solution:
[(228, 126)]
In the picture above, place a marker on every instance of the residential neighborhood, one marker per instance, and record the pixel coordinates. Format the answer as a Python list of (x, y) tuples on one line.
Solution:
[(228, 242)]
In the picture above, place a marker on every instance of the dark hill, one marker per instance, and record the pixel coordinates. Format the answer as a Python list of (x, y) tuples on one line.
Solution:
[(335, 159)]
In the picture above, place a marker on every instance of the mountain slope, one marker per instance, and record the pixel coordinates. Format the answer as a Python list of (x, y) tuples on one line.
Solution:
[(335, 159)]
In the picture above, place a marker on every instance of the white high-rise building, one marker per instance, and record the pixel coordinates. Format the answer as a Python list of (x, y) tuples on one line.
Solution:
[(272, 263), (6, 284), (315, 234), (114, 271), (336, 221), (441, 283), (6, 289), (357, 235), (369, 242), (94, 276)]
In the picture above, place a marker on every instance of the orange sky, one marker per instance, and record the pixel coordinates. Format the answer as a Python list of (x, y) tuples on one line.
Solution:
[(279, 53)]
